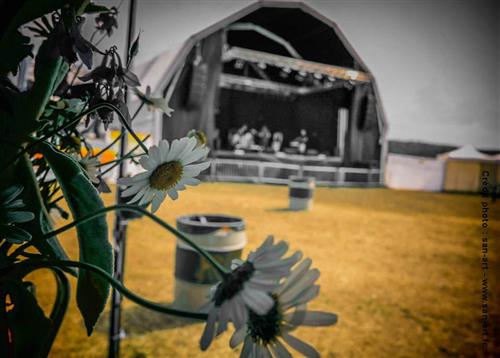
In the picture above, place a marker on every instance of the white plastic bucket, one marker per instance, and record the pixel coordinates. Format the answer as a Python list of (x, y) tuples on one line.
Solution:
[(300, 192), (223, 236)]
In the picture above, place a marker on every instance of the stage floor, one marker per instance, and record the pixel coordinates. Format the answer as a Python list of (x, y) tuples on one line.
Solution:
[(280, 157)]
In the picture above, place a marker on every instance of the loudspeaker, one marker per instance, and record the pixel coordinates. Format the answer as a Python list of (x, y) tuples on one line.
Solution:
[(197, 86)]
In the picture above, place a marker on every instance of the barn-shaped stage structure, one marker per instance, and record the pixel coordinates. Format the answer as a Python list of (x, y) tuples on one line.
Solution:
[(285, 66)]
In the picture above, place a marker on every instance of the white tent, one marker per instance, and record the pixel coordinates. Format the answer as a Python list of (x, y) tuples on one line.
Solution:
[(414, 173), (465, 167), (467, 152)]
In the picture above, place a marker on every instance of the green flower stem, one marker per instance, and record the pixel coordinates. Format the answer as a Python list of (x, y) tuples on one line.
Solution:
[(126, 156), (73, 122), (59, 198), (119, 159), (126, 125), (138, 110), (4, 248), (59, 308), (223, 272), (109, 145), (121, 134), (31, 265)]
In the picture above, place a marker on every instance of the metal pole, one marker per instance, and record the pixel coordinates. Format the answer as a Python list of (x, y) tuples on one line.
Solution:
[(120, 228)]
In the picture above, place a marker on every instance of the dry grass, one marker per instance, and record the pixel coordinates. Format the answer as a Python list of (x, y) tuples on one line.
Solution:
[(402, 270)]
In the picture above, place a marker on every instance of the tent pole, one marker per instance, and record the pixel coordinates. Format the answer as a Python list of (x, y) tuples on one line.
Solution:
[(120, 228)]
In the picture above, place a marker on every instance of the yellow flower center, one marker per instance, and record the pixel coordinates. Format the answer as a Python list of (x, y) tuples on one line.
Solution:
[(166, 175)]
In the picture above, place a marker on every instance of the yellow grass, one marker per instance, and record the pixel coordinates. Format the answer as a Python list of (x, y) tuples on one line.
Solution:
[(401, 269)]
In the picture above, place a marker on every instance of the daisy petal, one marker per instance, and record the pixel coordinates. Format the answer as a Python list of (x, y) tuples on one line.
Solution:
[(304, 297), (133, 189), (195, 155), (295, 275), (279, 350), (266, 286), (258, 301), (175, 148), (304, 282), (140, 177), (222, 325), (192, 181), (154, 154), (246, 352), (147, 197), (164, 149), (238, 337), (290, 261), (266, 353), (173, 194), (139, 195), (209, 331), (300, 346), (195, 169), (157, 200), (188, 148), (240, 312), (148, 163), (126, 181), (311, 318)]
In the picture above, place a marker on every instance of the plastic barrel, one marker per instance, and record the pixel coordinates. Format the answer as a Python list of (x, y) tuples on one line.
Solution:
[(223, 236), (300, 192)]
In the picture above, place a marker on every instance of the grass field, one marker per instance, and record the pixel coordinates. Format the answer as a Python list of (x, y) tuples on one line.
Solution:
[(401, 269)]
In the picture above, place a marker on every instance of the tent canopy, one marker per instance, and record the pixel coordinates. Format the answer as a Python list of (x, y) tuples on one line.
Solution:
[(467, 152)]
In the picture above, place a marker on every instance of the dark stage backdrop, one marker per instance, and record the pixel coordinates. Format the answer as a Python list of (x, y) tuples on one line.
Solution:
[(317, 113)]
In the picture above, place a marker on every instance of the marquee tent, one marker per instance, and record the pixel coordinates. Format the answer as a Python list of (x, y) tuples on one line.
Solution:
[(465, 167), (414, 173)]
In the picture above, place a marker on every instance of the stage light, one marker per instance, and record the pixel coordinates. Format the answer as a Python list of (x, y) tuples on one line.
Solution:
[(352, 74), (331, 79), (287, 70), (318, 76), (239, 64), (303, 73), (262, 65)]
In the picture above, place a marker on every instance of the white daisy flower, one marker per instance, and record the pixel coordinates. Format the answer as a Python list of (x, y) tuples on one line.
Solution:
[(247, 288), (169, 168), (154, 102), (201, 137), (266, 335)]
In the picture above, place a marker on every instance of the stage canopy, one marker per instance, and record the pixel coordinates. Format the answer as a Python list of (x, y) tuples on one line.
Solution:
[(279, 64)]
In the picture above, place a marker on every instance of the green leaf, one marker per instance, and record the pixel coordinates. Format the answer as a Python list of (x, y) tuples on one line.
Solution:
[(34, 203), (93, 9), (30, 105), (134, 49), (9, 194), (49, 72), (16, 204), (13, 50), (31, 10), (83, 199), (13, 234), (24, 319), (19, 216)]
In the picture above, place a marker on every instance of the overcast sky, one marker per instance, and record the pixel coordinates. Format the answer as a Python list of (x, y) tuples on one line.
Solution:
[(436, 62)]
